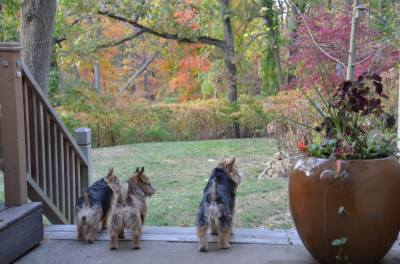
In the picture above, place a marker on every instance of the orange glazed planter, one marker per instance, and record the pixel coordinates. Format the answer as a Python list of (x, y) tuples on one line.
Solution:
[(369, 192)]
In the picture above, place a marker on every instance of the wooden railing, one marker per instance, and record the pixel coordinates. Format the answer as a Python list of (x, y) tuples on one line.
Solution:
[(56, 168)]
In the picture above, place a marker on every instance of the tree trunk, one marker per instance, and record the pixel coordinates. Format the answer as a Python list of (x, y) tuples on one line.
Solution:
[(353, 44), (291, 28), (277, 58), (37, 22), (97, 77), (230, 61), (398, 112), (229, 51), (145, 86), (273, 78)]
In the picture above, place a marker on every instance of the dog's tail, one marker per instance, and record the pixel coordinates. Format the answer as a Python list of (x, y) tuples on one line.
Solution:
[(213, 210), (86, 201), (213, 192), (86, 195)]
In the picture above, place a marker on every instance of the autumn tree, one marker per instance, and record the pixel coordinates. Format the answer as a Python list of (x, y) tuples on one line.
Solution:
[(226, 45), (9, 21), (322, 44)]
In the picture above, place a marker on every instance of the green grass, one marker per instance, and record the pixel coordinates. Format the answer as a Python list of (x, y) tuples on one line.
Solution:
[(179, 171)]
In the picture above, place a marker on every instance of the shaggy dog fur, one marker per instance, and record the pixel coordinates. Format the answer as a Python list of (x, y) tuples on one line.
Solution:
[(129, 208), (141, 187), (92, 208), (216, 209)]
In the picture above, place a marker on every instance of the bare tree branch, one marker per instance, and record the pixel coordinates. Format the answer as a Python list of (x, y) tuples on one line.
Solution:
[(201, 39), (312, 37), (144, 66), (120, 41), (79, 19), (58, 41)]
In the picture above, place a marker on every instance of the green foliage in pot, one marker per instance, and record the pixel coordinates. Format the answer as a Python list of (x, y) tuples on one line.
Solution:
[(354, 123)]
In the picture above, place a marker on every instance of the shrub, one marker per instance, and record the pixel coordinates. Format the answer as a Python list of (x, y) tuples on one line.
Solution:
[(294, 119), (117, 120)]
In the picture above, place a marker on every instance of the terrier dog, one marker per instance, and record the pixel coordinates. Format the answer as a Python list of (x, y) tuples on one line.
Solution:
[(129, 208), (216, 209), (92, 208), (141, 187)]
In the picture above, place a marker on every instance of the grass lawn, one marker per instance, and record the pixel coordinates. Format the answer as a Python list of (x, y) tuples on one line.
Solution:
[(179, 171)]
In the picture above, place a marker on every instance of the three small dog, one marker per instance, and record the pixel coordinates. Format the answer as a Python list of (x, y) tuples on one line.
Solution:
[(123, 206)]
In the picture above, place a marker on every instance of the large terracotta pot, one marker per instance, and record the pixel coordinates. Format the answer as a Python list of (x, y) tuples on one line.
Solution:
[(369, 192)]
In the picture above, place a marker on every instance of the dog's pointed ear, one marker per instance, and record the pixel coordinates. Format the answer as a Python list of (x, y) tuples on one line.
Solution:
[(137, 169), (110, 172), (140, 172), (231, 161)]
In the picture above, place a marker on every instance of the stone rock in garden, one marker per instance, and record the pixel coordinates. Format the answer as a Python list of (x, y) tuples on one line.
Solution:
[(282, 166), (271, 172), (278, 166), (278, 156), (270, 164), (262, 176)]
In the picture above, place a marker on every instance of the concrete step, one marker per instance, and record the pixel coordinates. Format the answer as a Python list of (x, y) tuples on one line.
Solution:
[(21, 228), (169, 245)]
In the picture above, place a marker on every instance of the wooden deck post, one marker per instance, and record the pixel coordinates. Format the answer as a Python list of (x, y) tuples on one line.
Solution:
[(83, 137), (12, 125)]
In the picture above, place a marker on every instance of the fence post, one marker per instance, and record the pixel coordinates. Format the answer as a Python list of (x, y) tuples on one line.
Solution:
[(13, 127), (83, 138)]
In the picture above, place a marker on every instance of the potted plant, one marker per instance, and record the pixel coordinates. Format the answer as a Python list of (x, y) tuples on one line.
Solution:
[(343, 192)]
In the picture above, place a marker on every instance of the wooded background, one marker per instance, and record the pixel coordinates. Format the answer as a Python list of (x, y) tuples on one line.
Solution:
[(103, 61)]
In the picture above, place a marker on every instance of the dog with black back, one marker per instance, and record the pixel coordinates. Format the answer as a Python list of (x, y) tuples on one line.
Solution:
[(92, 208), (216, 209)]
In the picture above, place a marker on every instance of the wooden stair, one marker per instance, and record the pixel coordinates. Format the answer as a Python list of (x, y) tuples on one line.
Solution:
[(186, 234), (57, 170), (21, 228), (39, 157)]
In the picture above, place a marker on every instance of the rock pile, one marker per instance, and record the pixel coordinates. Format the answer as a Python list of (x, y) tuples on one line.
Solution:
[(276, 167)]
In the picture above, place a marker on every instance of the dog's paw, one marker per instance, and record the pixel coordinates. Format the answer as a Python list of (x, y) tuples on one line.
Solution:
[(90, 241), (203, 249), (224, 245), (113, 247)]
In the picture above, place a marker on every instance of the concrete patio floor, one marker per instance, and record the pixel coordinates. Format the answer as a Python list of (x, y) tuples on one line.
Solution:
[(177, 245)]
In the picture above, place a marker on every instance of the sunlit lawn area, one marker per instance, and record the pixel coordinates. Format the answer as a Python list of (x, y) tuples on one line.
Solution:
[(179, 171)]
